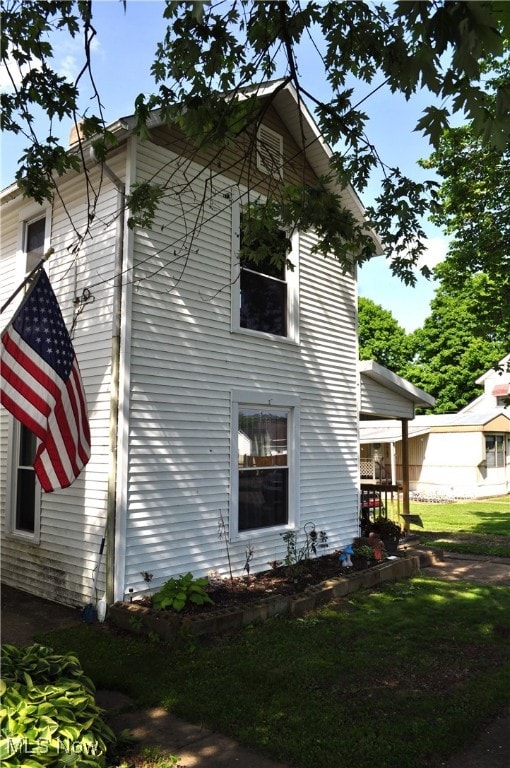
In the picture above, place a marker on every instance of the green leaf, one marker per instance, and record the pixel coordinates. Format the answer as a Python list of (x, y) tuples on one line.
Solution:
[(433, 123)]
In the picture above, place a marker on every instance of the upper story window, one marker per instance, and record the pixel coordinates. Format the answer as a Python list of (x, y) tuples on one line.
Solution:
[(266, 280), (35, 232), (264, 290)]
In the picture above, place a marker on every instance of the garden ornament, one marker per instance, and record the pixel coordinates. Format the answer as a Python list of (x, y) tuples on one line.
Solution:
[(345, 556), (377, 546)]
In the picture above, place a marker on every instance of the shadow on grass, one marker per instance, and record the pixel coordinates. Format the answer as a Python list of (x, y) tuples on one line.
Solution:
[(497, 522), (402, 675)]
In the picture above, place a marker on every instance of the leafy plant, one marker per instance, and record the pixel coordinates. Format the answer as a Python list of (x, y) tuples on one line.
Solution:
[(364, 550), (296, 555), (49, 715), (136, 623), (386, 528), (177, 593)]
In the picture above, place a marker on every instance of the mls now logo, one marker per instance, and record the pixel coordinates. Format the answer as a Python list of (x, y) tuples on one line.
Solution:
[(57, 746)]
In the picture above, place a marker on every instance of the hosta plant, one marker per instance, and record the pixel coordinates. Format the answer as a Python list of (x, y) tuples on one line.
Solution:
[(49, 716), (175, 594)]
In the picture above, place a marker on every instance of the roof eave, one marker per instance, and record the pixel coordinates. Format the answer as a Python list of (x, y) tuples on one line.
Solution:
[(395, 383)]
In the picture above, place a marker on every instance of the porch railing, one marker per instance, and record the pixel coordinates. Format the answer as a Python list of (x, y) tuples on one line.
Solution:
[(375, 501)]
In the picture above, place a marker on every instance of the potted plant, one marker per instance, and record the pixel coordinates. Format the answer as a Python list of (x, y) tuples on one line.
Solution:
[(363, 552), (389, 532)]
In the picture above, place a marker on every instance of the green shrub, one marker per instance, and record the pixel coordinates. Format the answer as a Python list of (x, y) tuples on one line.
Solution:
[(177, 593), (49, 716)]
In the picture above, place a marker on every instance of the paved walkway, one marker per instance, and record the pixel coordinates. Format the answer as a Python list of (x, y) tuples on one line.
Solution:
[(476, 568), (25, 616)]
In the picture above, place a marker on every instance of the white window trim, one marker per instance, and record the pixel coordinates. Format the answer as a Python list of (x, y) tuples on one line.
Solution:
[(251, 398), (13, 453), (291, 279), (27, 215), (505, 444)]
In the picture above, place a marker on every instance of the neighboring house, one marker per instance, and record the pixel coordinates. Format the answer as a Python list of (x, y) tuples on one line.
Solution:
[(464, 455), (215, 427), (496, 389)]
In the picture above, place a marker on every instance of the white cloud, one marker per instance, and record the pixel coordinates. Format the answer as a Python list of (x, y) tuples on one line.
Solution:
[(436, 250), (68, 67), (11, 73)]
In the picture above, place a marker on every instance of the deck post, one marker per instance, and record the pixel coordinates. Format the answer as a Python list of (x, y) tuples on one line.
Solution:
[(405, 469)]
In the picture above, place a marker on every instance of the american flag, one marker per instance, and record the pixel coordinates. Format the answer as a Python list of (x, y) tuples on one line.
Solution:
[(41, 386)]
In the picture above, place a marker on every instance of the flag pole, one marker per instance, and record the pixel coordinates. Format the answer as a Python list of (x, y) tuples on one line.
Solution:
[(28, 278)]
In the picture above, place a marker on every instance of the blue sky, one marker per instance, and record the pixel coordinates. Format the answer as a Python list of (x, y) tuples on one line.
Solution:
[(122, 53)]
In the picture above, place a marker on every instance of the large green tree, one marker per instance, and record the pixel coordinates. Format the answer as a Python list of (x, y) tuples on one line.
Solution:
[(209, 49), (457, 343), (380, 336), (474, 209)]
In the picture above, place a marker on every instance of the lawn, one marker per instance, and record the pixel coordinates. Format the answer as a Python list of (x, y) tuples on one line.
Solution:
[(473, 526), (403, 675)]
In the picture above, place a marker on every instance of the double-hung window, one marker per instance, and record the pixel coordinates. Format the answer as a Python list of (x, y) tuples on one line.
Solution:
[(24, 499), (495, 451), (265, 462), (265, 286)]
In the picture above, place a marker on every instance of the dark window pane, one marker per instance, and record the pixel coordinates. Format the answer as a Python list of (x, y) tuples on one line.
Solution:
[(27, 447), (25, 488), (25, 496), (34, 245), (263, 304), (263, 498)]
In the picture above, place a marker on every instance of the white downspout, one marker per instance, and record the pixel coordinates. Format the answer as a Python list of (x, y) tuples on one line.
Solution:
[(111, 501)]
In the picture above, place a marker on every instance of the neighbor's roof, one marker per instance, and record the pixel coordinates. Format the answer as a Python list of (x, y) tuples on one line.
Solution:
[(390, 431), (492, 372)]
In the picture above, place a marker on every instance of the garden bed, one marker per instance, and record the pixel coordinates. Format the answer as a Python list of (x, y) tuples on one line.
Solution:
[(242, 601)]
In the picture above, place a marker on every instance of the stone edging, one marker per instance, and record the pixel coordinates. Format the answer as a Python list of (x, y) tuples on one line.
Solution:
[(167, 625)]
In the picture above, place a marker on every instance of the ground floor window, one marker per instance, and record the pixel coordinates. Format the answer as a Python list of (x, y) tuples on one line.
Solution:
[(25, 491), (495, 451), (266, 465)]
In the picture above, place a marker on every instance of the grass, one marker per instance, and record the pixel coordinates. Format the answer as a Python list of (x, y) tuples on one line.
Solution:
[(403, 675), (479, 527)]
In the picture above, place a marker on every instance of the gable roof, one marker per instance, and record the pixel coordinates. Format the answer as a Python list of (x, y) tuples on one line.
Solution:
[(300, 124)]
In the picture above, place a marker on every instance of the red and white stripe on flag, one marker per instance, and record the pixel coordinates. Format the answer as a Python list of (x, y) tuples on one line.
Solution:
[(41, 386)]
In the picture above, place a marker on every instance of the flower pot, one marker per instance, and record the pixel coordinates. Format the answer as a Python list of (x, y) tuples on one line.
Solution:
[(391, 546)]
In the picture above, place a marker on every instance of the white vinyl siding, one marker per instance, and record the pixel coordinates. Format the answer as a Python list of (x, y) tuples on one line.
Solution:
[(186, 362), (61, 567)]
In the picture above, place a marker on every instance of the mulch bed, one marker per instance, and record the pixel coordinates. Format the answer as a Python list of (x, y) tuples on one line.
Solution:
[(282, 580)]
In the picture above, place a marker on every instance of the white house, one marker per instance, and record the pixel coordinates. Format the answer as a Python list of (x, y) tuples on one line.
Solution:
[(203, 410), (466, 454)]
